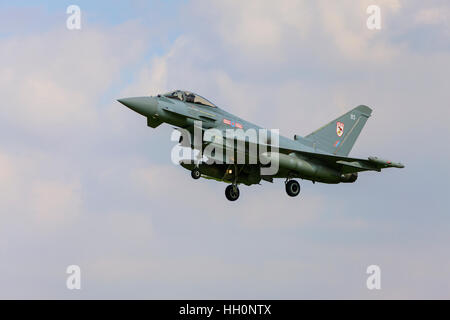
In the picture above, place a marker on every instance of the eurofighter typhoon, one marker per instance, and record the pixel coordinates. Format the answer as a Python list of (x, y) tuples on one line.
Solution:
[(235, 151)]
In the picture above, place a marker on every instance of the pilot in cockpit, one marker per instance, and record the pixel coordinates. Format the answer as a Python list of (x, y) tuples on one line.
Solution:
[(190, 97)]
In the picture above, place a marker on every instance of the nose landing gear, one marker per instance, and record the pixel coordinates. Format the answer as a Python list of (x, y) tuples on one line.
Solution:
[(195, 173)]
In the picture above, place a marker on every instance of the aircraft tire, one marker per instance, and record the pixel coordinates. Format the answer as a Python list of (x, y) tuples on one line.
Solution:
[(292, 188), (232, 193), (195, 174)]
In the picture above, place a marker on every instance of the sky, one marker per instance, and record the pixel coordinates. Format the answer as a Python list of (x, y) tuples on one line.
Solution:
[(84, 181)]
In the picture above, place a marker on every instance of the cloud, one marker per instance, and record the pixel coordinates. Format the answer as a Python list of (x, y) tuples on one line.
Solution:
[(345, 25), (55, 202), (255, 28), (30, 193), (263, 215), (51, 81), (152, 78), (433, 16), (266, 35)]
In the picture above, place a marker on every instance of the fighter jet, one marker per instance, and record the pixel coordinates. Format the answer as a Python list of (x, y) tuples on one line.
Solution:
[(321, 156)]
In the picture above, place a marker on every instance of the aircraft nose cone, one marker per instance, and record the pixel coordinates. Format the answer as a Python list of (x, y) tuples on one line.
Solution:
[(146, 106)]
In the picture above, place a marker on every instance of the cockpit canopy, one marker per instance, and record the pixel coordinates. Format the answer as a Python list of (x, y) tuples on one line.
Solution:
[(187, 96)]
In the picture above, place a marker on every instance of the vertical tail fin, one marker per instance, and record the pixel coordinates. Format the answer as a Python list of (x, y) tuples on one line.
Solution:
[(339, 136)]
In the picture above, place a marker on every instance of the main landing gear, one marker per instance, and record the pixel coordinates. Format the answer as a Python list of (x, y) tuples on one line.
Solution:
[(292, 188), (232, 192)]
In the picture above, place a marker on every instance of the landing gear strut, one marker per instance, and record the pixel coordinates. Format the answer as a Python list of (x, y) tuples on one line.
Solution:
[(292, 188), (232, 192), (195, 173)]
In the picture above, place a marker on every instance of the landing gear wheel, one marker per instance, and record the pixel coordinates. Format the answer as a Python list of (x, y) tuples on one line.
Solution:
[(292, 188), (195, 173), (232, 193)]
